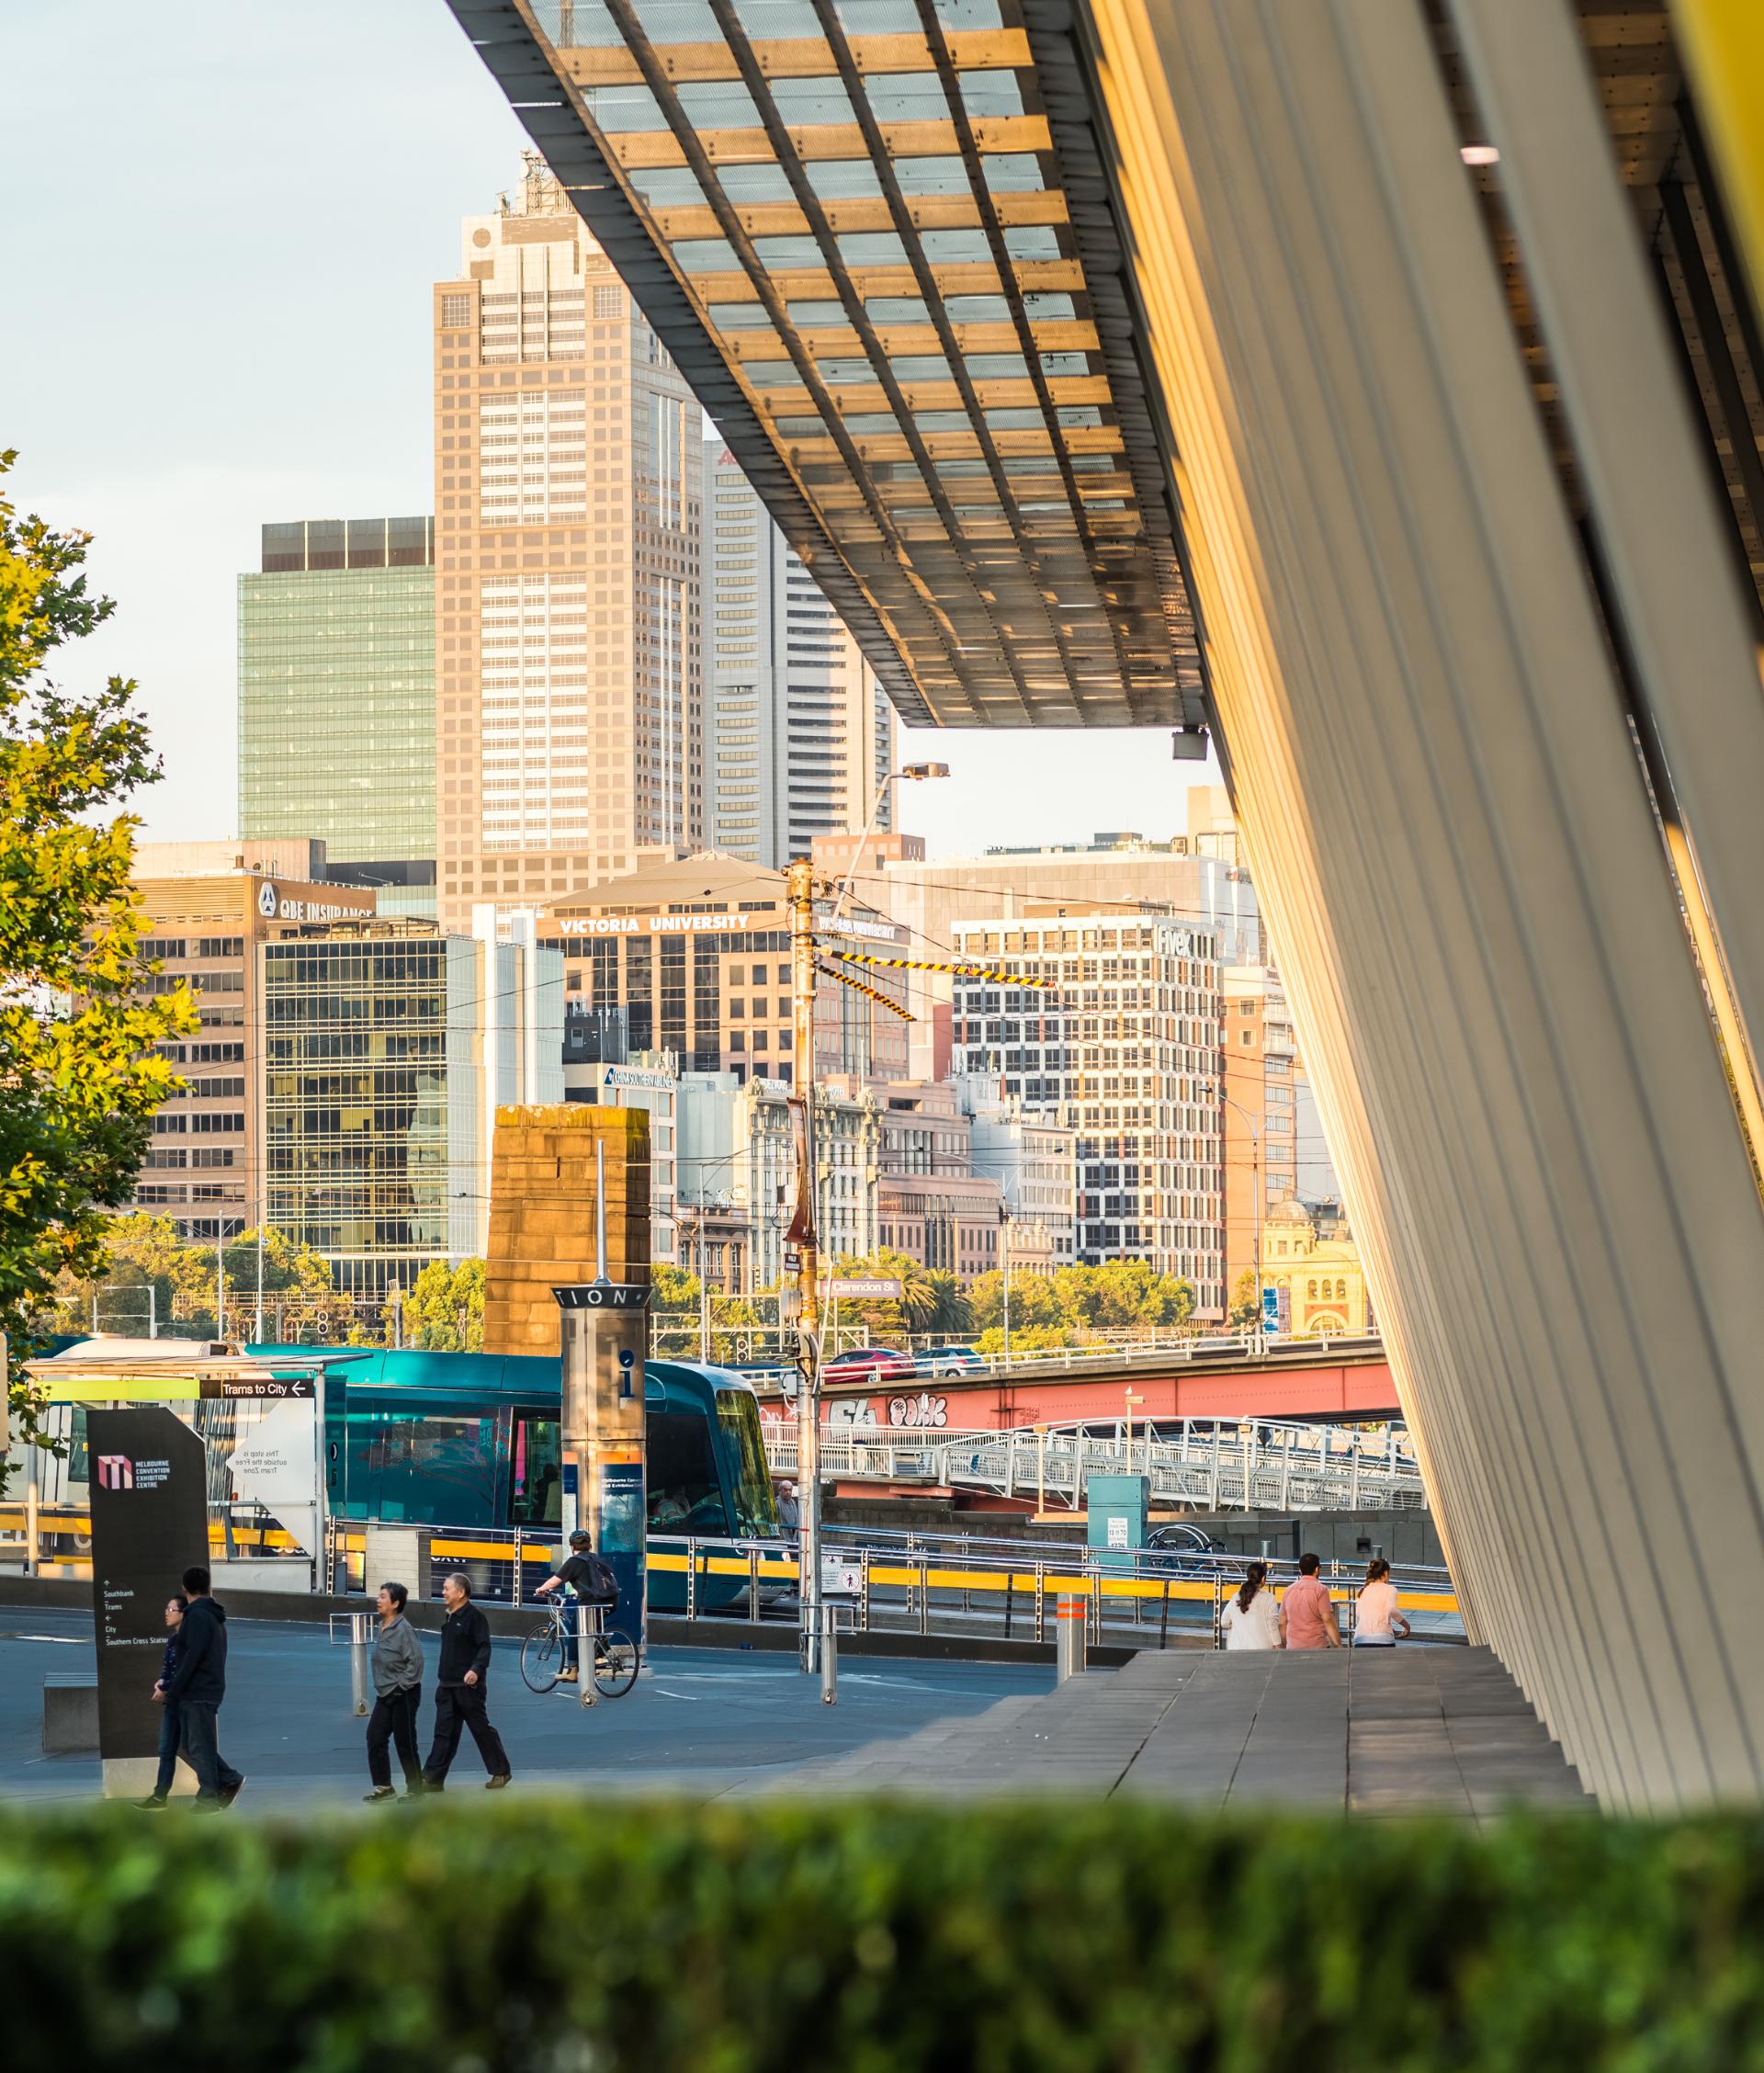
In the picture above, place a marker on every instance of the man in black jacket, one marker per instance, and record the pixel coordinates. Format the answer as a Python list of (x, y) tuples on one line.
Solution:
[(459, 1696), (198, 1686)]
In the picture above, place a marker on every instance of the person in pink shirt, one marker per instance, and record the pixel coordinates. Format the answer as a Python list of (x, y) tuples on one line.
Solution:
[(1307, 1613)]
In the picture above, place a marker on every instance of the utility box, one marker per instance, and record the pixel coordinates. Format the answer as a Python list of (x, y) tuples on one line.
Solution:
[(1117, 1507)]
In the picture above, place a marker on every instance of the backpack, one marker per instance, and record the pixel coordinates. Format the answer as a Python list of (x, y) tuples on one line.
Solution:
[(600, 1586)]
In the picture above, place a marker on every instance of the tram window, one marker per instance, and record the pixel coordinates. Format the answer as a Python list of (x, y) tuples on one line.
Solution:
[(536, 1492), (430, 1468), (737, 1416), (79, 1460), (684, 1496)]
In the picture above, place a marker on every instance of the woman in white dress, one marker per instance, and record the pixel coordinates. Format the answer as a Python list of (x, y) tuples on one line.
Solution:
[(1377, 1621), (1252, 1619)]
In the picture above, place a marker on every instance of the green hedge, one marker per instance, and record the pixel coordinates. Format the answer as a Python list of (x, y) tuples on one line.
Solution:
[(571, 1939)]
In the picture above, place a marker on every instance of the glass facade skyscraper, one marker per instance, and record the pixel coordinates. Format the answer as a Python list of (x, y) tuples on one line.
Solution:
[(386, 1051), (336, 700)]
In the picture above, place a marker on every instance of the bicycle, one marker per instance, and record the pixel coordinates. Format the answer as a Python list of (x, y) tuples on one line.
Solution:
[(615, 1669)]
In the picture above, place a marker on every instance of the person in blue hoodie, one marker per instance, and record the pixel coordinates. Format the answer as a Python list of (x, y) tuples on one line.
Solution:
[(198, 1686), (168, 1728)]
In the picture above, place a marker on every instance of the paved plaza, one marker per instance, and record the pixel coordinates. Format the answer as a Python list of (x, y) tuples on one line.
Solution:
[(706, 1722), (1407, 1730), (1435, 1730)]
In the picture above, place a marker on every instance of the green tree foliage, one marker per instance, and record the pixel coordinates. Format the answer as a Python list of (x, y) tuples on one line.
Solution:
[(443, 1310), (1081, 1304), (80, 1076), (301, 1299), (1035, 1302), (1245, 1313), (741, 1329), (952, 1313)]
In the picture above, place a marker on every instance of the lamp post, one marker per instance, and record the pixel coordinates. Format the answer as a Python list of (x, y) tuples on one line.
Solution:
[(1041, 1471), (1133, 1397), (911, 773), (1004, 1262)]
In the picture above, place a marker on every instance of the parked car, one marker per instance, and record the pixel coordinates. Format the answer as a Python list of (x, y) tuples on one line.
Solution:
[(950, 1360), (874, 1365)]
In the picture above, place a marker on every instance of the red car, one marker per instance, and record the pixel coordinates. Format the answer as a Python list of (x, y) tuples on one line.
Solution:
[(875, 1365)]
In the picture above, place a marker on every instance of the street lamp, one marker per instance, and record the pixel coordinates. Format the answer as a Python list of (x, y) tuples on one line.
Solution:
[(1004, 1261), (910, 773), (1133, 1397)]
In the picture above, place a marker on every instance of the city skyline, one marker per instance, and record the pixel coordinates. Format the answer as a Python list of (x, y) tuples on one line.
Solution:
[(176, 463)]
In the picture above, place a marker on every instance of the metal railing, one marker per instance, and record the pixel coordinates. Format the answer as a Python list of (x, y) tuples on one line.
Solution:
[(1286, 1467), (996, 1589), (1005, 1591), (1105, 1353)]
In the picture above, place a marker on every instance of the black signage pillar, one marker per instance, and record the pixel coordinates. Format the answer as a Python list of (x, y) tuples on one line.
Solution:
[(150, 1523)]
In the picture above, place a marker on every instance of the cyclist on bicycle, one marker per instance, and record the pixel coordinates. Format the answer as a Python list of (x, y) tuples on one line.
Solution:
[(592, 1580)]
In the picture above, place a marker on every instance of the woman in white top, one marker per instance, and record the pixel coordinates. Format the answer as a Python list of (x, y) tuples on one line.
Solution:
[(1252, 1619), (1377, 1621)]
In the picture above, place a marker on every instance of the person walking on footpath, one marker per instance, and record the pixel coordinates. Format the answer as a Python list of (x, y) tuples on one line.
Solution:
[(397, 1667), (592, 1580), (1252, 1619), (460, 1695), (1307, 1613), (196, 1688), (161, 1792), (1377, 1621)]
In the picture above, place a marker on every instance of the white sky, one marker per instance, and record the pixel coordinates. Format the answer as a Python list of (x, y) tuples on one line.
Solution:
[(223, 222)]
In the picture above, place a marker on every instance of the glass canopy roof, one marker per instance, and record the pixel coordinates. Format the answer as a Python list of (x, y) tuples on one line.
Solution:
[(876, 236)]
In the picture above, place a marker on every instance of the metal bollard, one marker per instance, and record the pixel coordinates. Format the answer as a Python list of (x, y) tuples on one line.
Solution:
[(32, 1541), (587, 1628), (1070, 1641), (829, 1655), (361, 1642)]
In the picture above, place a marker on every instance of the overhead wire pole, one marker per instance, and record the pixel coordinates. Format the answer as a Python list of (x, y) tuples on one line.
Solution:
[(801, 890)]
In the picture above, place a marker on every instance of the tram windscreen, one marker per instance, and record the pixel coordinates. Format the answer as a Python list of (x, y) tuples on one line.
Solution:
[(684, 1496), (738, 1420)]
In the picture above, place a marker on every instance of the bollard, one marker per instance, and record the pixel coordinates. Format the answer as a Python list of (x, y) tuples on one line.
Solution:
[(587, 1628), (829, 1655), (32, 1543), (1069, 1649), (361, 1642)]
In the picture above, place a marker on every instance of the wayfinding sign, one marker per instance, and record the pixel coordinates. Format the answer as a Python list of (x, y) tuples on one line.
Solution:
[(862, 1288), (150, 1523)]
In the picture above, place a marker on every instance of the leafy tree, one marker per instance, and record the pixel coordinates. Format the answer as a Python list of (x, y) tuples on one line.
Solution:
[(1245, 1313), (952, 1312), (1033, 1338), (301, 1299), (443, 1308), (1035, 1304), (80, 1075), (674, 1289)]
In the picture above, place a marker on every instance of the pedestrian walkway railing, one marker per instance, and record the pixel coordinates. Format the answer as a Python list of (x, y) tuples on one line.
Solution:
[(1000, 1587), (1263, 1467), (1003, 1589), (54, 1540)]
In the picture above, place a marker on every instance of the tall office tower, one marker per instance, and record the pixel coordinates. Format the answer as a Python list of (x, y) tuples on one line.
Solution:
[(800, 733), (336, 701), (568, 462), (1127, 1050)]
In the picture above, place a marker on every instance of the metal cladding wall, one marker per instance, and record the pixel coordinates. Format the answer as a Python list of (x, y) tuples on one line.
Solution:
[(1429, 745)]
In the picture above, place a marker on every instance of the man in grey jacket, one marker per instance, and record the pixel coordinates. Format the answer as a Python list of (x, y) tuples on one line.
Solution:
[(397, 1691)]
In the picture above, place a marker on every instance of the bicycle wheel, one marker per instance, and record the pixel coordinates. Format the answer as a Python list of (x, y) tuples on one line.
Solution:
[(542, 1658), (615, 1663)]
